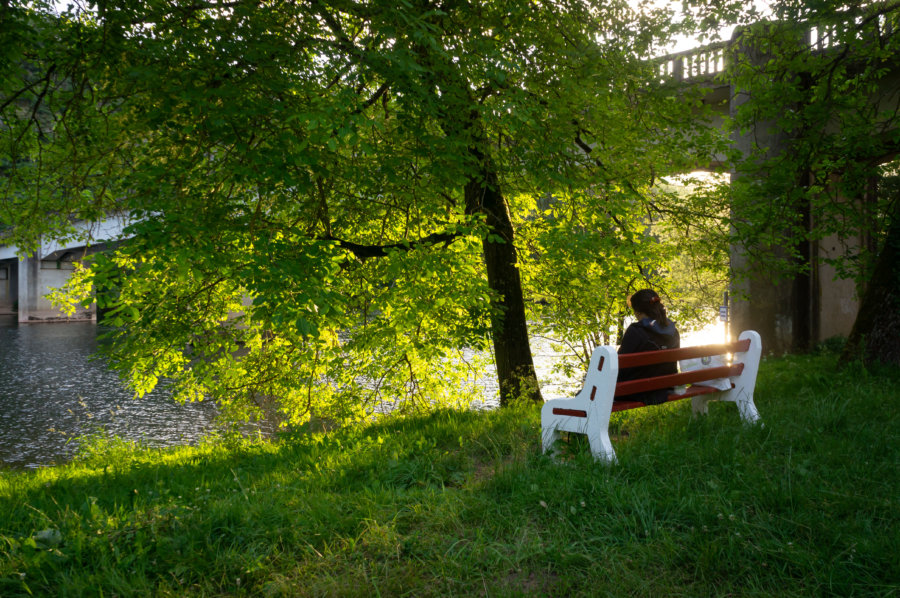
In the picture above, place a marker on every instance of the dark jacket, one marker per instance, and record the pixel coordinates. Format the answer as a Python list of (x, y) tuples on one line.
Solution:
[(648, 335)]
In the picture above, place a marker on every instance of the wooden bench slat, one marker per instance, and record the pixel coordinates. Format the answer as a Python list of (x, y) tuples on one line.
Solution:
[(570, 412), (693, 391), (657, 382), (630, 360)]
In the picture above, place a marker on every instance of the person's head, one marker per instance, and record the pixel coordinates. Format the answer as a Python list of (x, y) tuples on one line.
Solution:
[(646, 302)]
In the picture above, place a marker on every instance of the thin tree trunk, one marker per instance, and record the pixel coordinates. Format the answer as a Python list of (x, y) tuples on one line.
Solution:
[(876, 333), (509, 327)]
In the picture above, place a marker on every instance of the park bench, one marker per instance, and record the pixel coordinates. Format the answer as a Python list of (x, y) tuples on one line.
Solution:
[(589, 411)]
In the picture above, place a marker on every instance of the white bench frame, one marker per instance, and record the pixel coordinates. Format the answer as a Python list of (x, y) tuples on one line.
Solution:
[(589, 411)]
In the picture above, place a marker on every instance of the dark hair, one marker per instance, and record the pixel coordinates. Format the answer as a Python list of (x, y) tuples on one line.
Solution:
[(647, 302)]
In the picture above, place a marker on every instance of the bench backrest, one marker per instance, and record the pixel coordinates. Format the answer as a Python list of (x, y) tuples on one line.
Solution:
[(670, 355)]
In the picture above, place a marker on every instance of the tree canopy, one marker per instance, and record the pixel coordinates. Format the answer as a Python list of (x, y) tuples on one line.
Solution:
[(332, 204)]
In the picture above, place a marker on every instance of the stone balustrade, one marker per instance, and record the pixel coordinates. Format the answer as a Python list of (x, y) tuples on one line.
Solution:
[(703, 64)]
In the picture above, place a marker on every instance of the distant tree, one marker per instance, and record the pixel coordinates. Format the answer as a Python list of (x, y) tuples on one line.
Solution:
[(324, 195), (583, 260)]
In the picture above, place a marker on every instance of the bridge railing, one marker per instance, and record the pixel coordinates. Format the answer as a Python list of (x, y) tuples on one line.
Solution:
[(828, 36), (704, 63), (696, 64)]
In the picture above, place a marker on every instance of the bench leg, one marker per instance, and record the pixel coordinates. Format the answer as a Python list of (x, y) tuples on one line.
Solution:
[(549, 438), (743, 400), (746, 407), (700, 405), (602, 448)]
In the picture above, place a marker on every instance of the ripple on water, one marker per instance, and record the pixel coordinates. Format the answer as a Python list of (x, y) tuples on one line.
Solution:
[(52, 391)]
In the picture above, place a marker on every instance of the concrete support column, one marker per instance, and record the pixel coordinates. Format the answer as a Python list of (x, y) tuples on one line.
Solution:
[(29, 277), (762, 301), (9, 293), (838, 296), (36, 278)]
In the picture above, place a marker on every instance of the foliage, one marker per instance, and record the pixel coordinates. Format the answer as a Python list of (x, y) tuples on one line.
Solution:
[(694, 226), (818, 121), (323, 198), (460, 503), (877, 324), (583, 260)]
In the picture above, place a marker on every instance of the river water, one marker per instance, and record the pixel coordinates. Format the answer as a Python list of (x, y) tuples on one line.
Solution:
[(52, 390)]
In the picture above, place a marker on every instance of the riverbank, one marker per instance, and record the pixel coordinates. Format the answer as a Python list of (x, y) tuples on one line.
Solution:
[(462, 503), (54, 390)]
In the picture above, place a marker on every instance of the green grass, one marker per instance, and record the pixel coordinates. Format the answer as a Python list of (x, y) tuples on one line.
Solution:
[(463, 504)]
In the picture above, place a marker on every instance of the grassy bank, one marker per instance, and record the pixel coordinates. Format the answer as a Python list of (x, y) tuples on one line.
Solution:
[(463, 504)]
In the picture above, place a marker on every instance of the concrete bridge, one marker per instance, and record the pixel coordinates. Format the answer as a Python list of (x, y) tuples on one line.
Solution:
[(788, 315), (800, 312), (25, 281)]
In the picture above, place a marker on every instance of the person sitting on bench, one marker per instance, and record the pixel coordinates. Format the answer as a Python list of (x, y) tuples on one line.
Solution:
[(652, 331)]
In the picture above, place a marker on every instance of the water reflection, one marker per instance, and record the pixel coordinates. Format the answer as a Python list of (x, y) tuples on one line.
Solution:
[(52, 391)]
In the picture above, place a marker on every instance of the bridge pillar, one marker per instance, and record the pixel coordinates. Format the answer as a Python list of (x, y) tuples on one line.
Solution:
[(36, 278), (9, 293), (839, 295), (783, 310), (793, 313)]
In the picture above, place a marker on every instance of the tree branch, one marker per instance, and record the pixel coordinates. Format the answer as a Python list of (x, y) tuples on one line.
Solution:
[(27, 88), (364, 252)]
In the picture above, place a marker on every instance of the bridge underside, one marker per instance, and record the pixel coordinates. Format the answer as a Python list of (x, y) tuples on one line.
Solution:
[(26, 282)]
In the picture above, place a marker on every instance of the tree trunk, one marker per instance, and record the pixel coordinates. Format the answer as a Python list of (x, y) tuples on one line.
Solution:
[(876, 333), (509, 328)]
